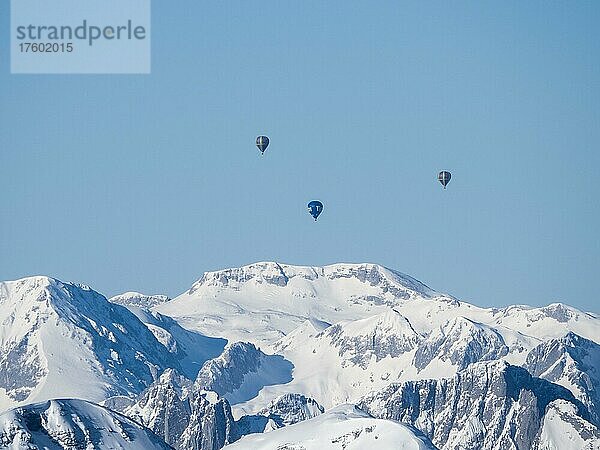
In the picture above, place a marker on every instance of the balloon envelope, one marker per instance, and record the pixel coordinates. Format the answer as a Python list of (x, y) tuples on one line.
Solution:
[(262, 142), (315, 208), (444, 177)]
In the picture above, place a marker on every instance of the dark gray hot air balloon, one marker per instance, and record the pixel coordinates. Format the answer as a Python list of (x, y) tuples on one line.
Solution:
[(444, 178), (262, 142)]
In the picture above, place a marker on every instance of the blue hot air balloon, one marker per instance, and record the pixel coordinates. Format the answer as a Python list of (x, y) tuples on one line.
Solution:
[(262, 142), (315, 208)]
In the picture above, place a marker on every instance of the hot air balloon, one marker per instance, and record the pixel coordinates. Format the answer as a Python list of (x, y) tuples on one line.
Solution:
[(444, 177), (262, 142), (315, 208)]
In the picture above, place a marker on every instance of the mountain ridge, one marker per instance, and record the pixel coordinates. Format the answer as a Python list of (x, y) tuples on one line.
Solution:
[(261, 347)]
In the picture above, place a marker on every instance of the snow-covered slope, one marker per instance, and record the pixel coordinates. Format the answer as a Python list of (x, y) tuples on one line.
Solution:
[(564, 429), (190, 348), (139, 300), (262, 302), (343, 428), (547, 322), (344, 361), (73, 425), (347, 360), (64, 340), (387, 327), (521, 327), (386, 335)]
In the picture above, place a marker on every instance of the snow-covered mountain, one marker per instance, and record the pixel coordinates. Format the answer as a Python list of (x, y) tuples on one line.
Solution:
[(488, 406), (73, 425), (387, 327), (281, 412), (185, 414), (241, 371), (460, 342), (139, 300), (62, 340), (290, 409), (259, 349), (572, 362), (263, 302), (343, 428)]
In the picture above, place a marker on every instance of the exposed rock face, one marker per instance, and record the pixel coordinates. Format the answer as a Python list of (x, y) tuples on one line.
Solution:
[(487, 406), (226, 373), (564, 428), (283, 411), (211, 424), (139, 300), (186, 418), (572, 362), (164, 406), (386, 335), (559, 312), (267, 272), (189, 418), (462, 342), (22, 367), (73, 425), (241, 371), (291, 408)]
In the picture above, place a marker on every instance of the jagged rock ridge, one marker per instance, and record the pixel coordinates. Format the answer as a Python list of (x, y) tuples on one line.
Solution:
[(489, 406)]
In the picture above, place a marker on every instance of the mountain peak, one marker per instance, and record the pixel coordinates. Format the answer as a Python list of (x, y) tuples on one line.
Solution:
[(31, 287), (232, 375), (573, 362), (73, 424), (389, 322), (278, 274), (461, 342), (39, 296), (245, 300), (140, 300), (388, 334), (110, 350), (291, 408)]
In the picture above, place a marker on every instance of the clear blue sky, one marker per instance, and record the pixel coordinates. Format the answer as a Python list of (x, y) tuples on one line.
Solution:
[(143, 182)]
